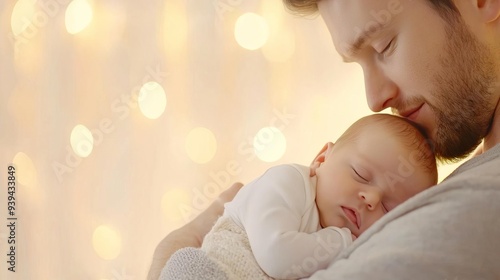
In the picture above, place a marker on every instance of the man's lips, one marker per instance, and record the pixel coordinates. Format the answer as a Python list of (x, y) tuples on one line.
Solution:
[(411, 114), (352, 215)]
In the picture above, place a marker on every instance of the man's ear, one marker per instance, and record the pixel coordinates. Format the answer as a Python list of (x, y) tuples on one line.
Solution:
[(320, 158), (489, 9)]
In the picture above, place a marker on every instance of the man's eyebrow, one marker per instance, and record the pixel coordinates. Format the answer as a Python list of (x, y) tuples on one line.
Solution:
[(360, 41)]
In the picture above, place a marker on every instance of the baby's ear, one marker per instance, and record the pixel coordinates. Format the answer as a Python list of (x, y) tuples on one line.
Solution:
[(320, 158)]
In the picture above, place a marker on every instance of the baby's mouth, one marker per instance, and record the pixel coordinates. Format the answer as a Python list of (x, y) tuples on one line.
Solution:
[(352, 215)]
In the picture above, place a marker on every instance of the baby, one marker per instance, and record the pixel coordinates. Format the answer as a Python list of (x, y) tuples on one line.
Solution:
[(294, 220)]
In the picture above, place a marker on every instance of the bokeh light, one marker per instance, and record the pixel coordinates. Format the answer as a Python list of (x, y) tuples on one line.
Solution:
[(25, 169), (82, 141), (201, 145), (269, 144), (251, 31), (107, 242), (78, 16), (22, 16), (152, 100)]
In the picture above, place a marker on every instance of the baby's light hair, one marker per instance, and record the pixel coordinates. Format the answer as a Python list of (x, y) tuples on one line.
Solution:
[(413, 137)]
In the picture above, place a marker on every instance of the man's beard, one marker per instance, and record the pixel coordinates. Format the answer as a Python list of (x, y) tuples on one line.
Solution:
[(461, 97)]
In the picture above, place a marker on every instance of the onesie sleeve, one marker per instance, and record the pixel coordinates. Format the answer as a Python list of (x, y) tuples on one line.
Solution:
[(271, 219)]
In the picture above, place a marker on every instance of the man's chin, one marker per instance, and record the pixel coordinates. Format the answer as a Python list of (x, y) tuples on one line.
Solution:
[(455, 150)]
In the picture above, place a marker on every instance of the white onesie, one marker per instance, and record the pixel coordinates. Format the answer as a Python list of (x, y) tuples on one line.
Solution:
[(278, 213)]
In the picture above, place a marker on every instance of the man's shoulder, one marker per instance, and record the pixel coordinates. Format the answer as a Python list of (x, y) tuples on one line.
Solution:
[(485, 164)]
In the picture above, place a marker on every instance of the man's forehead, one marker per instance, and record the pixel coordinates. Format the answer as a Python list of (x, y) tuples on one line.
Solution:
[(352, 22), (353, 8)]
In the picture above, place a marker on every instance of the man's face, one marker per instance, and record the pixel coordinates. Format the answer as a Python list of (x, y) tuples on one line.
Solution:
[(432, 71)]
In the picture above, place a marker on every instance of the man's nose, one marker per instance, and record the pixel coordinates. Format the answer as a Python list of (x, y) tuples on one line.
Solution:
[(371, 197), (381, 92)]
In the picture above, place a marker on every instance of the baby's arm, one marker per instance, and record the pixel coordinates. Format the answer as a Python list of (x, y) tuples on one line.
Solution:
[(295, 254), (272, 217)]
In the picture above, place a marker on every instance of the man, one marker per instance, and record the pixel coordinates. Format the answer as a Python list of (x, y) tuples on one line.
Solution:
[(437, 63)]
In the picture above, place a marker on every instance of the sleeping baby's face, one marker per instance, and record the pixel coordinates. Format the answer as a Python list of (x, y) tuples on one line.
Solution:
[(361, 180)]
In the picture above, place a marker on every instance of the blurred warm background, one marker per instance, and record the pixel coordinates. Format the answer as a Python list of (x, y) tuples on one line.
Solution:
[(124, 119)]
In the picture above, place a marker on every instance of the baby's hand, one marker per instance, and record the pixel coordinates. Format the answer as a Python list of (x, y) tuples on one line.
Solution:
[(353, 237)]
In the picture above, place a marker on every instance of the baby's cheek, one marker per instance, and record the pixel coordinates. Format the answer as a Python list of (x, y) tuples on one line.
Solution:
[(334, 221)]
